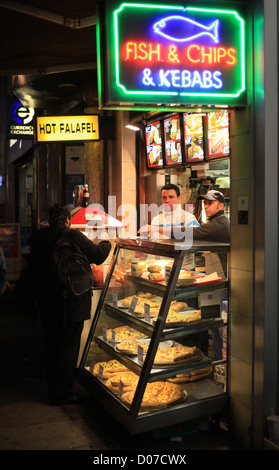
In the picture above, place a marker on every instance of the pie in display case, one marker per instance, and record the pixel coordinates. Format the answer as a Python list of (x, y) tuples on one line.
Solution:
[(147, 358)]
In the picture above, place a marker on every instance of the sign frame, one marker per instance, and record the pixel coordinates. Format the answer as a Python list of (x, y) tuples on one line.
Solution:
[(67, 128), (19, 120), (113, 89)]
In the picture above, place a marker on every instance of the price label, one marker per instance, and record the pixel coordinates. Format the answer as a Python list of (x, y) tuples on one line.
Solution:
[(100, 372), (113, 338), (120, 388), (133, 304), (135, 267), (140, 354), (105, 333), (147, 312), (114, 298), (167, 273)]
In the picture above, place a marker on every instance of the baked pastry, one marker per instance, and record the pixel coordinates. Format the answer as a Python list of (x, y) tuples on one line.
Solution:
[(178, 306), (146, 295), (122, 332), (191, 376), (155, 275), (174, 354), (142, 267), (109, 368), (142, 297), (157, 395), (140, 312), (177, 317), (130, 346), (154, 268), (129, 380)]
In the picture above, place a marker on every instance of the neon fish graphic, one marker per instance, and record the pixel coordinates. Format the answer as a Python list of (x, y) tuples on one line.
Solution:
[(182, 29)]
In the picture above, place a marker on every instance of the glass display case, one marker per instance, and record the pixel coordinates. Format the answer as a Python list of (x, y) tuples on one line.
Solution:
[(149, 358)]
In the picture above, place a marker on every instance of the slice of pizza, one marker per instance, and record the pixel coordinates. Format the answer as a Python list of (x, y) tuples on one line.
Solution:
[(120, 332), (157, 395), (174, 354), (140, 312), (108, 368), (176, 317), (146, 296), (123, 332), (191, 376), (130, 346), (129, 381)]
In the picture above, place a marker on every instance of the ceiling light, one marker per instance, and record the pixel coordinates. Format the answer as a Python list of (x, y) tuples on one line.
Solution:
[(133, 128)]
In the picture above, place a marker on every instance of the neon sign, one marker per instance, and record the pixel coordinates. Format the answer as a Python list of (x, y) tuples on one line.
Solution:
[(181, 29), (172, 54)]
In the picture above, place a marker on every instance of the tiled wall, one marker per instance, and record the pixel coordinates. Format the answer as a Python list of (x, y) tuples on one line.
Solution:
[(122, 176), (241, 277)]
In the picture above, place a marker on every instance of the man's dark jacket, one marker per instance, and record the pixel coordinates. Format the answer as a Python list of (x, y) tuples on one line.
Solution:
[(217, 229), (41, 244)]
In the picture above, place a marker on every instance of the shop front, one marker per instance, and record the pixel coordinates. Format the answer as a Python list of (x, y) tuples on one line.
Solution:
[(143, 83), (183, 76)]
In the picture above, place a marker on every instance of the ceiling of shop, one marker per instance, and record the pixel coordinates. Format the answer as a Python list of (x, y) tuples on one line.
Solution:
[(49, 48)]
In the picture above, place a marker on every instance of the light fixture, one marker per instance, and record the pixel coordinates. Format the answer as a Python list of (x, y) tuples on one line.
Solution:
[(133, 128)]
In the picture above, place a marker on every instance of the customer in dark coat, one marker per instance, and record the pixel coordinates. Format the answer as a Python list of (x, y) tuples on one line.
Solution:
[(61, 320)]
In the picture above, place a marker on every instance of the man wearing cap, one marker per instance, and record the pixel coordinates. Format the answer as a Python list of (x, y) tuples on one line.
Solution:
[(217, 229)]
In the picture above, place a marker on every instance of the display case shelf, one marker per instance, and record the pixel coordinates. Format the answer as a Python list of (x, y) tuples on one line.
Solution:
[(181, 292), (201, 389), (156, 373), (169, 332)]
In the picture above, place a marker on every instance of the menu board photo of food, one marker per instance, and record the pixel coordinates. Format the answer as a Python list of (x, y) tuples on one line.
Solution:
[(218, 135), (193, 137), (153, 136), (172, 135)]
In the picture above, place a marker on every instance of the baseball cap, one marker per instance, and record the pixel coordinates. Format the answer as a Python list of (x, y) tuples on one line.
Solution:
[(213, 195)]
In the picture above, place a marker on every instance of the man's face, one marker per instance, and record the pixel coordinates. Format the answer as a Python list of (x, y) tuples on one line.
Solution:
[(170, 199), (212, 207)]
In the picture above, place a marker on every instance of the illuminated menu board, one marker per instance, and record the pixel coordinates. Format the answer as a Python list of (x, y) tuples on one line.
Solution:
[(153, 138), (193, 137), (162, 55), (172, 140), (218, 134)]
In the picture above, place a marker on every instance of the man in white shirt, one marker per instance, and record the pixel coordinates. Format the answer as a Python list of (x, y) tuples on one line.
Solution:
[(171, 216)]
